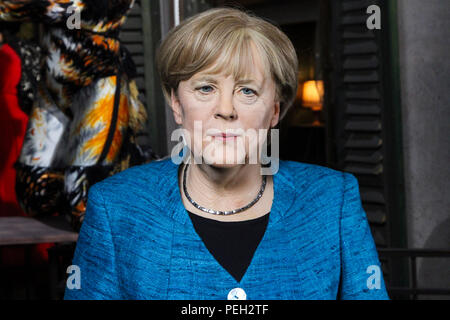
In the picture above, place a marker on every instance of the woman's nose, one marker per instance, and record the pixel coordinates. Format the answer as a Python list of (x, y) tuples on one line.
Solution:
[(225, 108)]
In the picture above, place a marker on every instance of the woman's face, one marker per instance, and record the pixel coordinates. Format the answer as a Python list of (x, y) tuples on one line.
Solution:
[(223, 116)]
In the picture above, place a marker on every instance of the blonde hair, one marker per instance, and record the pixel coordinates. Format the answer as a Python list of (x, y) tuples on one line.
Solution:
[(222, 39)]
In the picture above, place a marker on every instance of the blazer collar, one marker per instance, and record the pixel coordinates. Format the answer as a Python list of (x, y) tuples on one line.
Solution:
[(285, 193)]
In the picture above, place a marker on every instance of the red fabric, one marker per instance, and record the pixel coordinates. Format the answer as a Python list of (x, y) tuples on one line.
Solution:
[(13, 123)]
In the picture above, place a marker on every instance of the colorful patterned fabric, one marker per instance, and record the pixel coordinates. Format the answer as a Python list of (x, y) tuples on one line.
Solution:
[(30, 54), (73, 114), (13, 124)]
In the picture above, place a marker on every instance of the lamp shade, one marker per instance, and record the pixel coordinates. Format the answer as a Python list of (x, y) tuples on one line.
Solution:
[(312, 94)]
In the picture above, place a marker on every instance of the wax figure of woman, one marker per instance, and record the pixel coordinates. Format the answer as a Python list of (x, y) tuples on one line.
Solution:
[(87, 112), (216, 229)]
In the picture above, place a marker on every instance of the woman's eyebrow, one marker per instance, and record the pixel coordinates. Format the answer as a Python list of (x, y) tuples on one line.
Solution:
[(206, 78), (212, 79), (249, 81), (245, 81)]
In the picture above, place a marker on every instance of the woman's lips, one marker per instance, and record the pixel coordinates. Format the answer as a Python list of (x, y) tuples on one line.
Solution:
[(225, 137)]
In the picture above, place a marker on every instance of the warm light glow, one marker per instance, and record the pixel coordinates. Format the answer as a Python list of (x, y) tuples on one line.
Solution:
[(312, 94)]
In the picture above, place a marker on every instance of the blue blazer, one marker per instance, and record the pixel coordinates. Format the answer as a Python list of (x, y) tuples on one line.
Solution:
[(138, 242)]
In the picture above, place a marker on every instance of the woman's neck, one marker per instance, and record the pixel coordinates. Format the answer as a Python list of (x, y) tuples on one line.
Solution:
[(223, 188)]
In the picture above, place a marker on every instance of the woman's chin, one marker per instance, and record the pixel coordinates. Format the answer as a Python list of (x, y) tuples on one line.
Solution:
[(220, 162), (224, 165)]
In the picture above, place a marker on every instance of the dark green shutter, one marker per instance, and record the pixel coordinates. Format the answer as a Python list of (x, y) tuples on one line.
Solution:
[(365, 115), (132, 37), (141, 34)]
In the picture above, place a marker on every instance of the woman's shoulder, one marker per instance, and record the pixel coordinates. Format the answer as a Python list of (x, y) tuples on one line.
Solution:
[(314, 190), (301, 173), (138, 180)]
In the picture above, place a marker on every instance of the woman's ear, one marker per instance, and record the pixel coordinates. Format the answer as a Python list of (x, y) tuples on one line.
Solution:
[(176, 107), (276, 115)]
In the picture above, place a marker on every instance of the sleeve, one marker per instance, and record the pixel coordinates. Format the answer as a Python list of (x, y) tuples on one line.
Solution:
[(48, 11), (361, 274), (94, 257)]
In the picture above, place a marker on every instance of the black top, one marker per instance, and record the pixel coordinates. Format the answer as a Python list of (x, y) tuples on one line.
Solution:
[(232, 244)]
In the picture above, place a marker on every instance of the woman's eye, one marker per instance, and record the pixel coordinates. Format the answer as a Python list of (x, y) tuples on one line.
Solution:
[(248, 91), (205, 89)]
